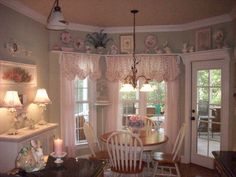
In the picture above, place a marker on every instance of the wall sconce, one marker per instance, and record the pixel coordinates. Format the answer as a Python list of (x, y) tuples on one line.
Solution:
[(12, 102), (42, 99)]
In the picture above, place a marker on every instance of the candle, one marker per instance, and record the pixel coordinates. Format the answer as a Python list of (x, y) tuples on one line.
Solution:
[(58, 146)]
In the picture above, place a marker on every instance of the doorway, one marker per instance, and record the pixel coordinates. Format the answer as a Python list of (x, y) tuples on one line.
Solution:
[(207, 107), (206, 111)]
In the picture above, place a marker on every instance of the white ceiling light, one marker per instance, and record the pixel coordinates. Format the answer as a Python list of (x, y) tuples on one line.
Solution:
[(55, 19)]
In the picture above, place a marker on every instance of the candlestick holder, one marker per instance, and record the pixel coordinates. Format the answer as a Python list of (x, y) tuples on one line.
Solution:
[(58, 157)]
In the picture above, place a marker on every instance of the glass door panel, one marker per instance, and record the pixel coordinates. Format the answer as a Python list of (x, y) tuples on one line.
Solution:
[(206, 100)]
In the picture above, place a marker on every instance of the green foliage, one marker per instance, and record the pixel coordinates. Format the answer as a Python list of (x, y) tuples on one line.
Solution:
[(98, 39), (209, 84)]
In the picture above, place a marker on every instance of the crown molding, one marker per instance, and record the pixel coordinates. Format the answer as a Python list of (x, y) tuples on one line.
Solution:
[(172, 28), (86, 28), (19, 7)]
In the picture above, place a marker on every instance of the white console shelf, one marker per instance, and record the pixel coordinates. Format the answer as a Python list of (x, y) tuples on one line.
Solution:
[(10, 145)]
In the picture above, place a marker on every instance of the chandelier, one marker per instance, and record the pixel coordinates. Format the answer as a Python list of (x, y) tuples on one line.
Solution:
[(131, 80)]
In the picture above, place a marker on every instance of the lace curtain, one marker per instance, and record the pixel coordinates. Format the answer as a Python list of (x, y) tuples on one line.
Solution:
[(155, 67), (80, 65), (72, 65)]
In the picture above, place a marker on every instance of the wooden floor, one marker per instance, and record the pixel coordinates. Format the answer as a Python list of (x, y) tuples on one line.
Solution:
[(192, 170)]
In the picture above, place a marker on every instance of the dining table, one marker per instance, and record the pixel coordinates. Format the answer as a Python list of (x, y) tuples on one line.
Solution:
[(151, 139)]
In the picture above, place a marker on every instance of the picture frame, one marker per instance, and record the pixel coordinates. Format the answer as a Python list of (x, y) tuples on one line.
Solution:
[(126, 44), (13, 73), (203, 39)]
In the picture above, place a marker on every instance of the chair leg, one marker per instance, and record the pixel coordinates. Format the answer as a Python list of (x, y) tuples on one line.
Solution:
[(155, 169), (177, 170), (149, 157)]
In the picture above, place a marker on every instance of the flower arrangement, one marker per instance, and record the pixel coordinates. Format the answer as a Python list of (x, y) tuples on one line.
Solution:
[(136, 121), (17, 74)]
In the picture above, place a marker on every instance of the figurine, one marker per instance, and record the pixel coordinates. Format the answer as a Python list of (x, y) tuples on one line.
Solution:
[(37, 152), (88, 49), (166, 47), (191, 48), (219, 38), (185, 47)]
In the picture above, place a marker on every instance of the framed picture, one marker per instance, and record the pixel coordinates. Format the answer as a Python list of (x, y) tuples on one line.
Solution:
[(203, 39), (17, 73), (126, 44)]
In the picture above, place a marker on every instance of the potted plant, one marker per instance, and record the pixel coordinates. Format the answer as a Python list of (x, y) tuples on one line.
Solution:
[(98, 39)]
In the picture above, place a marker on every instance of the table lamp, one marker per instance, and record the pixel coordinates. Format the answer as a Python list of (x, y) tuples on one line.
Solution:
[(12, 102), (42, 99)]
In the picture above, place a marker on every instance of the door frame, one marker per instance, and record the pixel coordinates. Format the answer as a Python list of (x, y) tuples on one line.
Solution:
[(218, 54)]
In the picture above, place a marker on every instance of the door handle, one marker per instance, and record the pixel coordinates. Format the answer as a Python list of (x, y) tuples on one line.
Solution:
[(193, 111)]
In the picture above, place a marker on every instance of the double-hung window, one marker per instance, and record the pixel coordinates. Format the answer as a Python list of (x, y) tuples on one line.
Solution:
[(83, 108), (151, 104)]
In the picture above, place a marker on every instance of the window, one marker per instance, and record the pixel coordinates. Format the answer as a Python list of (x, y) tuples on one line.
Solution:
[(83, 108), (151, 104)]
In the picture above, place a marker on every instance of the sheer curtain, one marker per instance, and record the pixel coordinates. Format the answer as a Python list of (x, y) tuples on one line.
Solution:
[(72, 65), (155, 67)]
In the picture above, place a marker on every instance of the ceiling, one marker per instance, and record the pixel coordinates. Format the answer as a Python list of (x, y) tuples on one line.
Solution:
[(116, 13)]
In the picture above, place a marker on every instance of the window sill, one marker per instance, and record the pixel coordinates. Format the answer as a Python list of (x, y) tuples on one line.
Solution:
[(81, 146)]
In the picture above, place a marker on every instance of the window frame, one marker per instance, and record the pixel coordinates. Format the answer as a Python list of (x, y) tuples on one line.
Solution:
[(92, 115), (142, 102)]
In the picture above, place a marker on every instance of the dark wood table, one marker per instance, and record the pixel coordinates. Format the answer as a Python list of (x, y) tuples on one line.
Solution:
[(71, 167), (225, 163), (151, 139)]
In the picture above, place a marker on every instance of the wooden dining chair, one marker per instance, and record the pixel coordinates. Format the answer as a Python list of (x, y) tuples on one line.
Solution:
[(167, 164), (125, 153), (93, 143), (149, 126)]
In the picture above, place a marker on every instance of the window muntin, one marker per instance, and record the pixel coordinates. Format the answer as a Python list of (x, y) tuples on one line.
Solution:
[(82, 109), (157, 97), (139, 102)]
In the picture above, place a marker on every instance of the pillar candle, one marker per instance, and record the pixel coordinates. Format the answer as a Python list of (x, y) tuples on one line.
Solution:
[(58, 146)]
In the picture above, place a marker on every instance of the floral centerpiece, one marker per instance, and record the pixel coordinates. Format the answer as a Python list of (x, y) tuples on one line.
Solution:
[(136, 122)]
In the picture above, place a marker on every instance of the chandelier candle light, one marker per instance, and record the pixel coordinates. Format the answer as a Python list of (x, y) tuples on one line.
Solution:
[(131, 81), (42, 99)]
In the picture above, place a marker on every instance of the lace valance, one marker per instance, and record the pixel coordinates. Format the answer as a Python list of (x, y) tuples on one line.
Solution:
[(155, 67), (80, 65)]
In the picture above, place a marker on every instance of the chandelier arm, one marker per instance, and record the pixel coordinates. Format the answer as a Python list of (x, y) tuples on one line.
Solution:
[(142, 76)]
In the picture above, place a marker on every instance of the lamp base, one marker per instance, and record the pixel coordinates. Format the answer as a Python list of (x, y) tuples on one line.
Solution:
[(43, 122)]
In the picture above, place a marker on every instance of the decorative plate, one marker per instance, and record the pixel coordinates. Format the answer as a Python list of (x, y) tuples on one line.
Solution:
[(66, 37), (79, 44), (151, 41)]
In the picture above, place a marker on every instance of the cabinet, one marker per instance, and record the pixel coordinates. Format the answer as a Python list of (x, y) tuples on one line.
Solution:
[(10, 145), (225, 163)]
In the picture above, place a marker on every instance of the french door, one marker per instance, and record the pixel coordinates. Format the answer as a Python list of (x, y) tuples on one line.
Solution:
[(207, 113)]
